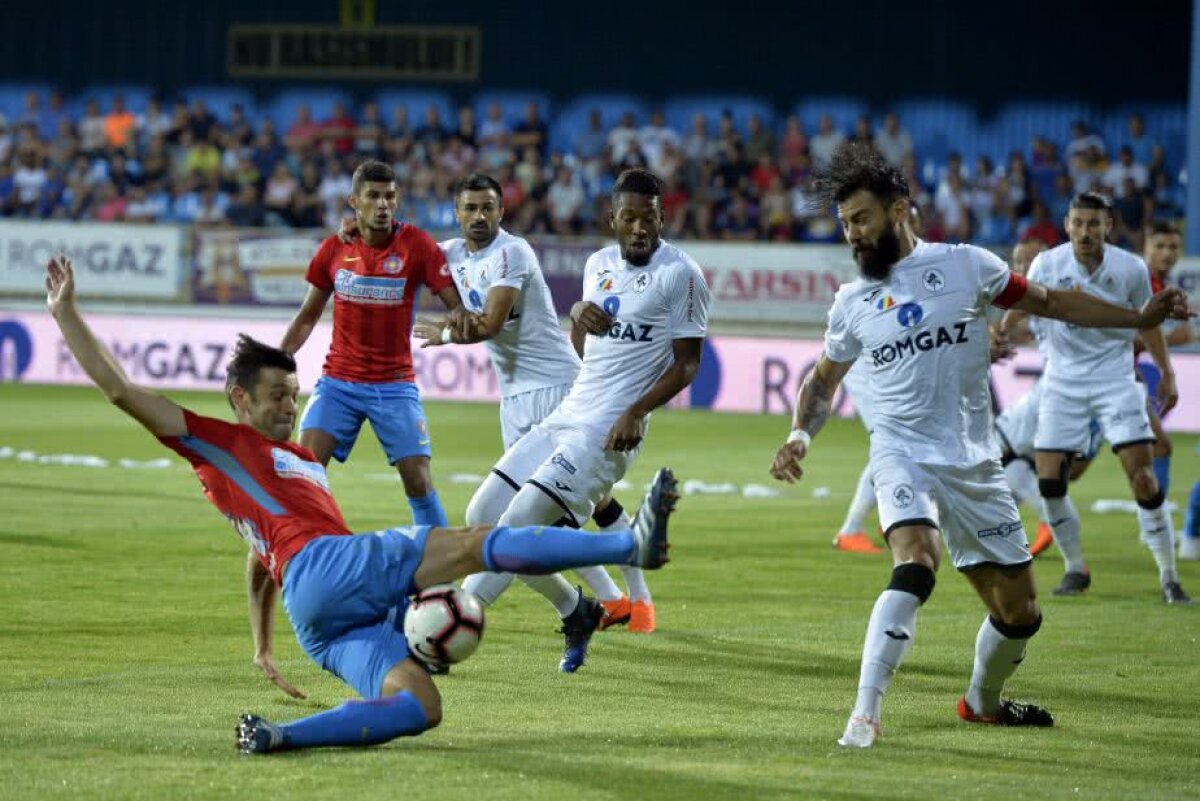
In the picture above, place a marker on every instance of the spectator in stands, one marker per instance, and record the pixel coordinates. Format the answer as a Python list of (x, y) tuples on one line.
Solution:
[(92, 137), (1167, 198), (279, 195), (431, 131), (729, 141), (591, 144), (119, 173), (339, 129), (1139, 142), (763, 173), (737, 220), (307, 206), (623, 138), (1082, 140), (775, 219), (1158, 161), (565, 199), (1088, 168), (893, 142), (400, 129), (110, 206), (201, 121), (202, 159), (50, 203), (1039, 226), (333, 191), (531, 131), (1132, 209), (759, 139), (653, 138), (29, 179), (244, 210), (303, 132), (181, 120), (1059, 202), (370, 134), (794, 143), (863, 133), (1126, 168), (212, 208), (467, 130), (951, 204), (824, 143), (155, 122), (1018, 184), (138, 207), (119, 125), (494, 147), (699, 145)]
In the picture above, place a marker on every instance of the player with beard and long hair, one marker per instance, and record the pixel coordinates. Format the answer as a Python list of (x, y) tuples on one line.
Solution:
[(916, 322)]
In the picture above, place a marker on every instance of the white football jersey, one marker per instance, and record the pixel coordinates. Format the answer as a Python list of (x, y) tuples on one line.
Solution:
[(651, 307), (1090, 356), (531, 351), (920, 339)]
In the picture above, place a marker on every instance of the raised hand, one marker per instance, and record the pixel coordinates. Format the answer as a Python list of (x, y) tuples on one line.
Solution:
[(60, 283)]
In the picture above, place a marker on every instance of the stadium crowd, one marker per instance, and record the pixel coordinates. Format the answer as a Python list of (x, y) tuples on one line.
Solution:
[(178, 162)]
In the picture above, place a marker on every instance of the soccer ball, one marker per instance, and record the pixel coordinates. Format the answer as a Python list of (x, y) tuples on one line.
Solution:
[(443, 624)]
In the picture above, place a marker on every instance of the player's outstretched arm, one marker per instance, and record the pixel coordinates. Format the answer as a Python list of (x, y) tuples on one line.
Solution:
[(814, 403), (1167, 392), (306, 319), (630, 427), (1089, 311), (262, 594), (469, 327), (158, 414)]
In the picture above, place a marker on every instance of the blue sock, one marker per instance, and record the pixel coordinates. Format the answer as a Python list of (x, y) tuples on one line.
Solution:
[(358, 723), (540, 550), (1162, 472), (1191, 523), (428, 511)]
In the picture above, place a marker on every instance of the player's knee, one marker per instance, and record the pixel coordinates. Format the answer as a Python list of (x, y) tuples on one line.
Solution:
[(1052, 487), (1144, 484), (915, 578)]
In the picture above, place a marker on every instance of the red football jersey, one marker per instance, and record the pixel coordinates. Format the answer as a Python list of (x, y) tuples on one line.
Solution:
[(274, 493), (374, 294)]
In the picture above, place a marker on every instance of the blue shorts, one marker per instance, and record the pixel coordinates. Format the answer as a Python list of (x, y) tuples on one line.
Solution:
[(339, 407), (346, 597)]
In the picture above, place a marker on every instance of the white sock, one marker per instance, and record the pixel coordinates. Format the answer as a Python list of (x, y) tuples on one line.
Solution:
[(488, 586), (996, 658), (635, 579), (860, 505), (1064, 522), (889, 635), (1022, 481), (1159, 536), (596, 577), (555, 589)]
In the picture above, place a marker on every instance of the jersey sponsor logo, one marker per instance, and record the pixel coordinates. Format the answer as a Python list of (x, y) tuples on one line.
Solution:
[(393, 265), (561, 487), (903, 496), (921, 341), (885, 303), (289, 465), (612, 305), (631, 332), (604, 283), (933, 280), (561, 461), (1002, 530), (910, 314), (375, 290), (641, 282)]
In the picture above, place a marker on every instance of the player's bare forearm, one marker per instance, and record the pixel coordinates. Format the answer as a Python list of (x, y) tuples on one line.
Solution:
[(1078, 308), (296, 335), (678, 376), (302, 325), (1183, 334), (578, 338), (1156, 345), (159, 415), (261, 593), (814, 402)]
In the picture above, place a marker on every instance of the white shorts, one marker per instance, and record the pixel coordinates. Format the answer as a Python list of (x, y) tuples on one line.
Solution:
[(1017, 425), (972, 507), (1064, 419), (519, 413), (567, 463)]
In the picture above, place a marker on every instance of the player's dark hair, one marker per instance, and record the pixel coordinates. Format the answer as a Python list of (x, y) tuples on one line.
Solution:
[(250, 357), (1091, 200), (636, 181), (856, 166), (478, 182), (371, 171), (1159, 227)]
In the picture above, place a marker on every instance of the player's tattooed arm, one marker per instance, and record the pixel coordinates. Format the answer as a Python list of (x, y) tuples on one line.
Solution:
[(813, 406)]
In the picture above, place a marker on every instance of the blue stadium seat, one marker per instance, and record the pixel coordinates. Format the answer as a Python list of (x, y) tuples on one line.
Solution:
[(136, 97), (221, 99), (417, 101), (936, 126), (845, 111), (12, 98), (1017, 123), (282, 108), (512, 105), (572, 118), (679, 111)]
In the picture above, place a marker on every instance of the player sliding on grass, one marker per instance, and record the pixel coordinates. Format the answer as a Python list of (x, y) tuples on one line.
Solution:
[(345, 595), (915, 321)]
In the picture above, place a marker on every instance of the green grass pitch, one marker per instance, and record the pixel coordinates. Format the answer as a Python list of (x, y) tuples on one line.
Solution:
[(125, 655)]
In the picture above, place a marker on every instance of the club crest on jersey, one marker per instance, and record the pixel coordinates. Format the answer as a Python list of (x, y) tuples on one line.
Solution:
[(933, 280), (910, 314), (289, 465), (903, 496), (641, 282), (393, 265), (475, 300)]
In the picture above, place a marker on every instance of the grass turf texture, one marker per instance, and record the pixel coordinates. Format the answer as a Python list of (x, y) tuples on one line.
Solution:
[(125, 655)]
